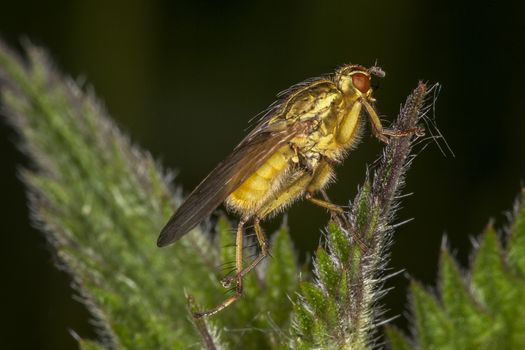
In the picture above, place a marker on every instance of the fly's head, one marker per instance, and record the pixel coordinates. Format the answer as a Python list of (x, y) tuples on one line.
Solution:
[(355, 81)]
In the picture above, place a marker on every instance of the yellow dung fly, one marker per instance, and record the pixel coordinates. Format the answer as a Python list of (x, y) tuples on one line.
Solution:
[(289, 155)]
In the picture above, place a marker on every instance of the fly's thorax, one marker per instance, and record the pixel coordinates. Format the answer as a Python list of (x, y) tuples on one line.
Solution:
[(311, 103), (334, 133)]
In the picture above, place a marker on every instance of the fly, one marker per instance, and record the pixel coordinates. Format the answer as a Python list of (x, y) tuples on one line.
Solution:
[(289, 155)]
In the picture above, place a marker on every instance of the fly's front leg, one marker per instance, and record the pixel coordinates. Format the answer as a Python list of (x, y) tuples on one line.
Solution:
[(377, 127), (227, 282), (418, 131), (383, 134)]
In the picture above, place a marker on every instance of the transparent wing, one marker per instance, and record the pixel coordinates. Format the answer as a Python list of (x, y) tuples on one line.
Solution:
[(223, 180)]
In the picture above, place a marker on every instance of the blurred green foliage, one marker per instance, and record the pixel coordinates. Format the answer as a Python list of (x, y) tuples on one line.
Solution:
[(483, 308)]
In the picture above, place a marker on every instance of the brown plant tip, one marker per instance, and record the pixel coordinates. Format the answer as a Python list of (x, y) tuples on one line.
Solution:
[(200, 324), (389, 175)]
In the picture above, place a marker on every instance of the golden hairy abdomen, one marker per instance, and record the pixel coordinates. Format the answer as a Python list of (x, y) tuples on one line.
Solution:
[(262, 185)]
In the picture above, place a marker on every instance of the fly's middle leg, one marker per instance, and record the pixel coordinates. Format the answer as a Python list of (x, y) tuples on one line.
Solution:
[(336, 212), (324, 203), (321, 177)]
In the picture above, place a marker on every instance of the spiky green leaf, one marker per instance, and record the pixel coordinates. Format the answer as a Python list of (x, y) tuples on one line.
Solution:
[(481, 309), (517, 236), (397, 340), (433, 328)]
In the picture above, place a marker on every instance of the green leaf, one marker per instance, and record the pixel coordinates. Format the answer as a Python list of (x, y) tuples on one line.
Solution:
[(501, 292), (517, 237), (362, 207), (320, 305), (282, 279), (89, 345), (338, 243), (101, 203), (483, 311), (305, 321), (328, 273), (433, 328), (397, 340), (489, 276), (471, 324)]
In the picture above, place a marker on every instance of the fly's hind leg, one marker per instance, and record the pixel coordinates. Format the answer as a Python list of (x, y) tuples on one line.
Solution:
[(263, 243), (265, 251), (238, 277), (292, 191)]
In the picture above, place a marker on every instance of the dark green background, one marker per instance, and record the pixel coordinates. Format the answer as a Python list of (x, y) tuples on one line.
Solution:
[(183, 78)]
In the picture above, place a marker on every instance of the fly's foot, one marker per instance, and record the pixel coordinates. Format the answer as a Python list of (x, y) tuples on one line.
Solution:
[(418, 131), (340, 219), (382, 137), (229, 281)]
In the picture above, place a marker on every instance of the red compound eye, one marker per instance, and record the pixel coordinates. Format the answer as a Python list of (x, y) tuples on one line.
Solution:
[(361, 82)]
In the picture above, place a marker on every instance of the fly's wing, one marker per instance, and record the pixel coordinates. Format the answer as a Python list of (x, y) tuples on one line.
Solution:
[(276, 128), (223, 180)]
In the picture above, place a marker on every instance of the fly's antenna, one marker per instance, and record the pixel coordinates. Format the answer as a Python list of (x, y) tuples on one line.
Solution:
[(377, 71)]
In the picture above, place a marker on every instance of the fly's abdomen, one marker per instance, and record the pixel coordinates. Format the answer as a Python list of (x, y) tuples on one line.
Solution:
[(259, 187)]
